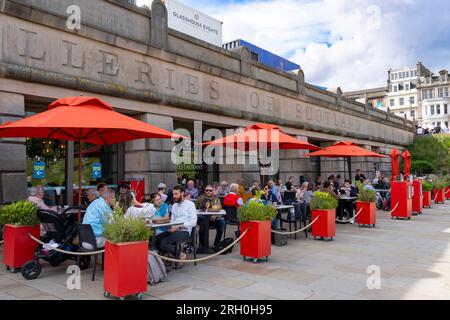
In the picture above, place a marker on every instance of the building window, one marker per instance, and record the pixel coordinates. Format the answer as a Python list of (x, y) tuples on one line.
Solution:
[(407, 74), (446, 124), (392, 102), (428, 80), (427, 94), (395, 88), (445, 109), (413, 113), (443, 92), (407, 86), (402, 101), (438, 109), (412, 100), (255, 56), (432, 110)]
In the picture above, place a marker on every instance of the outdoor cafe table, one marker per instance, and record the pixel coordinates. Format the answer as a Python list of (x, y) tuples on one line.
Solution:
[(168, 224), (282, 208), (345, 199), (207, 249)]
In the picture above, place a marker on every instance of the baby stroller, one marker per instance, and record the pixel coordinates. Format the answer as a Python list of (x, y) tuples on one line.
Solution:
[(60, 232)]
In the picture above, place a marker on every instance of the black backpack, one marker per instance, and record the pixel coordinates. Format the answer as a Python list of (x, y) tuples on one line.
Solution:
[(223, 244)]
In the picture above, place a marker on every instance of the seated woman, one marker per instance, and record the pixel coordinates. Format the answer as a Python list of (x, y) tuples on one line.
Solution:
[(126, 199), (162, 212)]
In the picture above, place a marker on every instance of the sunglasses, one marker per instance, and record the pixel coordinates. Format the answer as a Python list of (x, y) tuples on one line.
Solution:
[(208, 190)]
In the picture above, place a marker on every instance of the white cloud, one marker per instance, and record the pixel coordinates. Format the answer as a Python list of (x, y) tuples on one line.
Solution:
[(367, 36)]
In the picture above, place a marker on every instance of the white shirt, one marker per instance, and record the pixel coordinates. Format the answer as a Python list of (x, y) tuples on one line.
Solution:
[(186, 213), (147, 211)]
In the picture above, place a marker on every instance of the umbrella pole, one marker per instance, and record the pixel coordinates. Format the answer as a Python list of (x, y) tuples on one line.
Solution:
[(80, 164), (349, 160)]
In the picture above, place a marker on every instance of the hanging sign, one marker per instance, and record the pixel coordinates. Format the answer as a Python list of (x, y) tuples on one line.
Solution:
[(39, 170), (96, 170)]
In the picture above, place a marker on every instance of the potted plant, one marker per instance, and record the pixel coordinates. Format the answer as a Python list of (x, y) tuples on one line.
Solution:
[(126, 251), (367, 203), (323, 207), (439, 187), (19, 220), (427, 187), (257, 218)]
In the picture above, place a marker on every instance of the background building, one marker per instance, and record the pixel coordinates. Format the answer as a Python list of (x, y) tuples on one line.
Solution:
[(376, 97), (434, 100)]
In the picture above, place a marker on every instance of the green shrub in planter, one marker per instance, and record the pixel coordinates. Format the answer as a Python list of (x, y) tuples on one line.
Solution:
[(367, 195), (119, 229), (323, 201), (439, 184), (256, 210), (426, 186), (20, 213)]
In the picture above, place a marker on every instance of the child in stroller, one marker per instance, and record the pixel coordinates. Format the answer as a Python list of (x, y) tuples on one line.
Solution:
[(60, 231)]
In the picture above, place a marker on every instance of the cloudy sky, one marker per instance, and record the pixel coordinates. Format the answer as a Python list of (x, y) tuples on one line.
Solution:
[(346, 43)]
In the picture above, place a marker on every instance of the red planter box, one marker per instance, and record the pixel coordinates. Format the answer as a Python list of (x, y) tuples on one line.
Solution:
[(439, 196), (417, 201), (125, 268), (401, 199), (18, 247), (257, 242), (447, 193), (426, 197), (325, 227), (368, 216)]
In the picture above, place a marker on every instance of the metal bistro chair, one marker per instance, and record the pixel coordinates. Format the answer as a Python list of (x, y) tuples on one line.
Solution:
[(231, 219), (289, 197), (190, 243), (300, 215), (88, 244)]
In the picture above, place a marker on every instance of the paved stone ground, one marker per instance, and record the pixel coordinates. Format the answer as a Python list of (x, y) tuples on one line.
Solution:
[(413, 256)]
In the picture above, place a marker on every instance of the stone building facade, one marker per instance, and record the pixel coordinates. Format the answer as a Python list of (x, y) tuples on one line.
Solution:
[(128, 56)]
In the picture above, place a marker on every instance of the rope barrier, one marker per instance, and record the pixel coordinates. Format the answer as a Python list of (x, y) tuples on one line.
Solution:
[(348, 220), (204, 258), (68, 252), (395, 208), (2, 241), (437, 193), (297, 231)]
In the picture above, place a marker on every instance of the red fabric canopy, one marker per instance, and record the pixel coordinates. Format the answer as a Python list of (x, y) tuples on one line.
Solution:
[(83, 118), (344, 149), (406, 163), (394, 164), (262, 135)]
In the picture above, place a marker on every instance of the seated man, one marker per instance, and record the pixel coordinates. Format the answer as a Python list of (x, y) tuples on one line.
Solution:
[(183, 211), (191, 190), (97, 214), (217, 223), (232, 199)]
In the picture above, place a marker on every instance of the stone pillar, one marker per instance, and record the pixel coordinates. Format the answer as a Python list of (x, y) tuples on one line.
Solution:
[(150, 158), (159, 25), (13, 164), (301, 82), (294, 163)]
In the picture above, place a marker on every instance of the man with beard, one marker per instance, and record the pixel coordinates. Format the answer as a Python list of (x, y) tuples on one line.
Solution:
[(183, 211)]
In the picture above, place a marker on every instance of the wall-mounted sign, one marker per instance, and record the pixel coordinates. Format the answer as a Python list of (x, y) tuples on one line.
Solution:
[(96, 170), (194, 23), (39, 170)]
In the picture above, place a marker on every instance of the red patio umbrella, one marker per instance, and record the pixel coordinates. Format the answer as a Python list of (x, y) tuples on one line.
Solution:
[(262, 134), (345, 149), (83, 119), (394, 164), (406, 163)]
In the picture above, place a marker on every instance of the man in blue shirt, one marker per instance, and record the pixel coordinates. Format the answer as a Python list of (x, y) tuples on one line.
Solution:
[(97, 214)]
